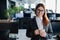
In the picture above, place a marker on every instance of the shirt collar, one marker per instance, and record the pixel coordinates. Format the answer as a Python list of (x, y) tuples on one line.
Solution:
[(39, 18)]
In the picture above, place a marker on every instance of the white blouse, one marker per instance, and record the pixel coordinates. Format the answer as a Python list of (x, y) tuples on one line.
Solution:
[(39, 23)]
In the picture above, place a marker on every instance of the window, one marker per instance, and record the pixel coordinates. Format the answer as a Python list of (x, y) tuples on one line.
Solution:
[(58, 6), (50, 5)]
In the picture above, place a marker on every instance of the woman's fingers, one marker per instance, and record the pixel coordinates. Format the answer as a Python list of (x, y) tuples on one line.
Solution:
[(36, 32), (42, 33)]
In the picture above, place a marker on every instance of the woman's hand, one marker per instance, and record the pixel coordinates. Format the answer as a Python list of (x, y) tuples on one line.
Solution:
[(42, 33), (37, 32)]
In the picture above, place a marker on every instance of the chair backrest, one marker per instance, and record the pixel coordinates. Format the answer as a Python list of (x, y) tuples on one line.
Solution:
[(23, 23), (56, 27)]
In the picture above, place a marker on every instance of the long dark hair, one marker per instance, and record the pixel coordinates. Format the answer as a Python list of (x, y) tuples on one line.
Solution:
[(45, 18)]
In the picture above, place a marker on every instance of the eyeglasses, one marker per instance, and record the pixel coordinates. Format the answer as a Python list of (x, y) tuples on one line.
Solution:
[(41, 11)]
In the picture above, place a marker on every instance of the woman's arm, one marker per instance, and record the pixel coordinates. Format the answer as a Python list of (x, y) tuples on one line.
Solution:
[(50, 31), (30, 31)]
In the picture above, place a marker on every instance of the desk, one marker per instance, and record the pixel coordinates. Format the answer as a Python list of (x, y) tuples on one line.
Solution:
[(9, 25)]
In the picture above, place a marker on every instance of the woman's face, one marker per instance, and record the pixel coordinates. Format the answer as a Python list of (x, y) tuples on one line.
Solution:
[(40, 11)]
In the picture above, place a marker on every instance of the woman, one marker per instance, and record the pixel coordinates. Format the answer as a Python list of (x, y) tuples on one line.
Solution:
[(39, 27)]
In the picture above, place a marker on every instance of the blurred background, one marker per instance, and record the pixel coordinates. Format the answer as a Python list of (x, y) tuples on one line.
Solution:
[(15, 14)]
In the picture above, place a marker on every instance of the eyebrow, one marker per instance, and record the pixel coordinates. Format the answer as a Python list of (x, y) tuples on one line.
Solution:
[(40, 10)]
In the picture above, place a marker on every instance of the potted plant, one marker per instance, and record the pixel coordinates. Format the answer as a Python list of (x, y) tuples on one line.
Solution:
[(12, 11)]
